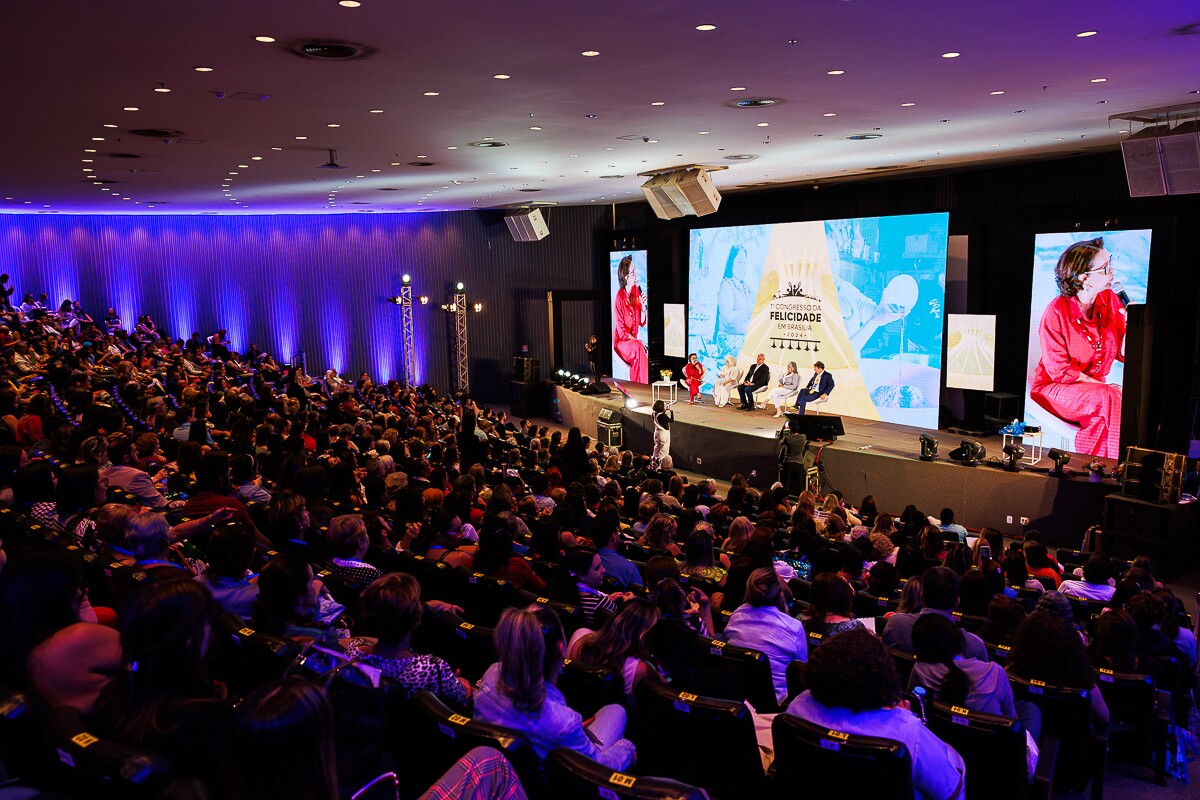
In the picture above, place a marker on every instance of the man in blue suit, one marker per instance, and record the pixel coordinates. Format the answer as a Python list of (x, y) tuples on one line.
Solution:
[(818, 388)]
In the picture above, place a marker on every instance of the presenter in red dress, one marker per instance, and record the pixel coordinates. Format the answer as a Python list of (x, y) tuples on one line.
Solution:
[(1082, 333), (693, 376), (629, 316)]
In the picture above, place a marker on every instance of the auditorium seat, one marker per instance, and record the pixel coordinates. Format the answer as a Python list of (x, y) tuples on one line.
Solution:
[(813, 761), (1140, 718), (868, 605), (1083, 610), (89, 765), (571, 774), (998, 652), (904, 664), (246, 658), (993, 748), (483, 597), (968, 622), (587, 688), (795, 679), (1066, 716), (570, 616), (752, 664), (463, 645), (676, 727)]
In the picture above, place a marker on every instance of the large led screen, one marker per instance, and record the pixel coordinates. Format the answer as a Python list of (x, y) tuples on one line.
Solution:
[(863, 296), (627, 294), (1081, 285)]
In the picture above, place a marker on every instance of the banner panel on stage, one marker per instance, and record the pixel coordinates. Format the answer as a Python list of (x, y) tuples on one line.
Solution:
[(627, 294), (971, 351), (864, 296), (674, 329), (1076, 368)]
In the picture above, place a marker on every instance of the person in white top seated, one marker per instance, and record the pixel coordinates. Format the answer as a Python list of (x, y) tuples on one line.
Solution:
[(786, 390), (727, 380), (1096, 580), (762, 624)]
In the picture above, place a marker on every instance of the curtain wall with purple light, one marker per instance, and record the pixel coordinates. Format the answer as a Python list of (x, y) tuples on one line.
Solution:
[(317, 284)]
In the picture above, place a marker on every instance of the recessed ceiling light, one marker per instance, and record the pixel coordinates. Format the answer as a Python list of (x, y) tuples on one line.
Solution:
[(88, 169), (431, 94), (951, 54), (451, 147), (737, 88), (1058, 138), (376, 111), (349, 3), (574, 155), (333, 125), (266, 39), (610, 148), (706, 27), (422, 156), (535, 127), (301, 138), (836, 72), (233, 173), (699, 133), (276, 148), (256, 158), (204, 69), (762, 124), (162, 88), (1099, 80), (907, 105), (652, 141), (109, 125), (86, 160), (830, 114), (1085, 34), (995, 145), (996, 94), (592, 116), (590, 53), (132, 108), (89, 150), (500, 76), (97, 138), (375, 170), (658, 103)]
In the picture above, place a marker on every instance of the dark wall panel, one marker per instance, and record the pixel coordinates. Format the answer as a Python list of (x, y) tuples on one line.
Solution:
[(316, 283)]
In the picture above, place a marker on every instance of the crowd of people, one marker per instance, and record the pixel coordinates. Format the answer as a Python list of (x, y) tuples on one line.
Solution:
[(237, 485)]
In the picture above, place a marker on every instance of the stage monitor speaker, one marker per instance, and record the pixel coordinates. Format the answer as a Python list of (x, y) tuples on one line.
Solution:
[(818, 427), (599, 387), (611, 416), (527, 225), (1180, 154), (526, 369), (529, 399), (1153, 475), (1143, 162), (682, 192)]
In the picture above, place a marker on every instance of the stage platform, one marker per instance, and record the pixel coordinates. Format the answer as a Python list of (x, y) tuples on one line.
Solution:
[(876, 458)]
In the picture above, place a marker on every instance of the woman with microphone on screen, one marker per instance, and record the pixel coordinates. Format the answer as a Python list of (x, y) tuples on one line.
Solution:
[(1082, 333), (629, 315)]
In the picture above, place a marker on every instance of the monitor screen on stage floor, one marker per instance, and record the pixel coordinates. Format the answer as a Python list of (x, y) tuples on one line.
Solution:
[(864, 296), (1075, 371), (630, 309)]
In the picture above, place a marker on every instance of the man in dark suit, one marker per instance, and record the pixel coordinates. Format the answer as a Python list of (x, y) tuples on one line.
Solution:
[(756, 378), (819, 387)]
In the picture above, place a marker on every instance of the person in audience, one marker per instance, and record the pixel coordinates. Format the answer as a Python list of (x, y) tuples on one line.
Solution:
[(853, 687), (700, 559), (391, 609), (1097, 573), (948, 525), (660, 534), (939, 593), (975, 593), (290, 721), (149, 538), (213, 490), (577, 582), (958, 558), (120, 472), (247, 483), (832, 599), (111, 523), (1039, 563), (1150, 613), (230, 553), (883, 580), (1178, 627), (1048, 648), (740, 531), (993, 540), (1115, 646), (606, 534), (762, 623), (496, 557), (619, 645), (519, 692), (1005, 616), (289, 601), (952, 678), (1016, 573), (672, 647), (450, 541), (348, 545), (162, 698)]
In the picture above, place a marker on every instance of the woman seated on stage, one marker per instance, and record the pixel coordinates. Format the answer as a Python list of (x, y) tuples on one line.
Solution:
[(786, 390), (693, 376), (727, 381)]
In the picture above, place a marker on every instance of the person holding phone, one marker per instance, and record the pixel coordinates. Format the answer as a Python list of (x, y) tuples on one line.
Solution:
[(663, 417)]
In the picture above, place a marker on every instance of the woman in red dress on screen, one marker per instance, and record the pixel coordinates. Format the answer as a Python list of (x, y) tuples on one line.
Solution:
[(1082, 333), (693, 376), (629, 314)]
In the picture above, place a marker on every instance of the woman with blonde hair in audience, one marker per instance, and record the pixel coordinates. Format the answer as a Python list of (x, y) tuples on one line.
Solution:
[(519, 692), (740, 532), (911, 601), (660, 534), (619, 645)]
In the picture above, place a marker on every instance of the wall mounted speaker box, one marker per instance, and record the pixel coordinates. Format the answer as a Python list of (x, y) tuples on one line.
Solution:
[(1180, 154), (527, 225), (1143, 166), (682, 192), (1162, 160), (1152, 475)]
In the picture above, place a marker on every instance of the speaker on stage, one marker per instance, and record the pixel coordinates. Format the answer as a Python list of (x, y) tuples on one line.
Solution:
[(530, 399), (526, 369), (598, 387)]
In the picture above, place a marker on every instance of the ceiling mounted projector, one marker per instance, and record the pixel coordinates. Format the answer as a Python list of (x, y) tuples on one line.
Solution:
[(682, 191)]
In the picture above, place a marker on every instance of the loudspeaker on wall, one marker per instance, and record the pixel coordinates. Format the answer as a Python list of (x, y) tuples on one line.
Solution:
[(527, 225)]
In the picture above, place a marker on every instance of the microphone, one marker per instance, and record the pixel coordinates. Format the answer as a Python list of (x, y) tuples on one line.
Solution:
[(1122, 295)]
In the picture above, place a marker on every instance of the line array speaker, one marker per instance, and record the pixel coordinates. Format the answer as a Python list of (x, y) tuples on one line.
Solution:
[(527, 225)]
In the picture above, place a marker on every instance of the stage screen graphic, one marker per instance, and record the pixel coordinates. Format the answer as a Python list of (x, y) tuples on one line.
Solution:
[(628, 300), (971, 351), (864, 296), (674, 329), (1076, 360)]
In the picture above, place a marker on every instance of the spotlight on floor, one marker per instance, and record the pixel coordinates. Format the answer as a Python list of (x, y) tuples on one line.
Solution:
[(929, 447), (631, 403), (1060, 459), (1013, 453), (968, 453)]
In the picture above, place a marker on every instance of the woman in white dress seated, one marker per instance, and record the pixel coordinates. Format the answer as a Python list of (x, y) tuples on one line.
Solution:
[(727, 379), (787, 389)]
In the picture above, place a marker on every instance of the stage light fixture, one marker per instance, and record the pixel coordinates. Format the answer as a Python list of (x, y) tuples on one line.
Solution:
[(1014, 453), (969, 453), (929, 447), (631, 403), (477, 307), (459, 286), (406, 278), (1060, 459), (424, 299), (394, 300)]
